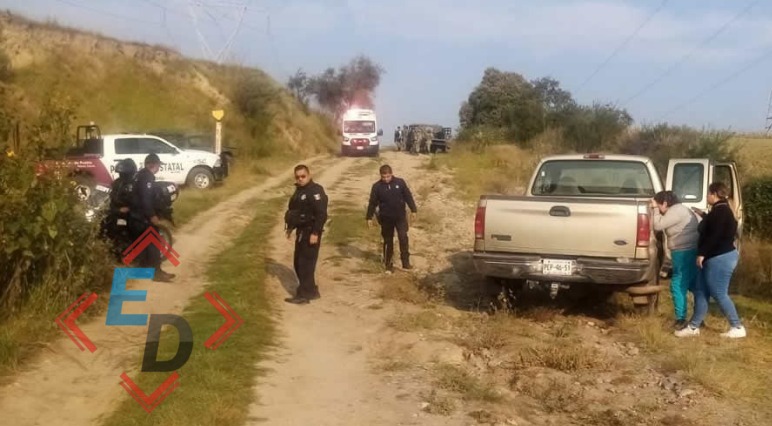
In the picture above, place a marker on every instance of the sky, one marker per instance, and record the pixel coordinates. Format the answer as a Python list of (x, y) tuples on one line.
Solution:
[(704, 63)]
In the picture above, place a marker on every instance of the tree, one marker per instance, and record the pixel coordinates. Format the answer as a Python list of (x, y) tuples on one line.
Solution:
[(350, 85), (557, 103), (299, 85), (504, 101), (589, 128)]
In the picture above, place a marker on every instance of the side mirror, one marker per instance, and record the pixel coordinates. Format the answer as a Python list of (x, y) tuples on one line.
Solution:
[(380, 132)]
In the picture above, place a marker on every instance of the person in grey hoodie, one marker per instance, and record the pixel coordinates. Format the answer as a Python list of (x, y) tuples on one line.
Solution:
[(681, 228)]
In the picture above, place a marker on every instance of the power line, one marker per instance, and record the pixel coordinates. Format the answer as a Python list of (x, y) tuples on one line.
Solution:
[(622, 46), (720, 83), (687, 56)]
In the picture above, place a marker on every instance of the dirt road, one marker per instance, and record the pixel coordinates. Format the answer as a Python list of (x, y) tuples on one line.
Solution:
[(376, 350), (327, 371), (411, 348), (65, 386)]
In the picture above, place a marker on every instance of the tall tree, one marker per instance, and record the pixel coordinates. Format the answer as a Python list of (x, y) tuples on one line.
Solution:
[(350, 85)]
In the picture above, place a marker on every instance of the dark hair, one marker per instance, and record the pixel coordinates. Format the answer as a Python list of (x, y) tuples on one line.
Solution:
[(719, 189), (668, 197), (385, 169), (302, 167)]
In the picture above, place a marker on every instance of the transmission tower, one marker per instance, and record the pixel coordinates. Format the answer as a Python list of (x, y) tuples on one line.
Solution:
[(768, 125), (197, 6)]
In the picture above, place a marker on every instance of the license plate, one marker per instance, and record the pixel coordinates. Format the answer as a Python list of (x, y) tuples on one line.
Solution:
[(122, 222), (557, 267), (360, 147)]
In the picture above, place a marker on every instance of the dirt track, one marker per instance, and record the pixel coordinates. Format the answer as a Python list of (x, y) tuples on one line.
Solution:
[(65, 386), (373, 350)]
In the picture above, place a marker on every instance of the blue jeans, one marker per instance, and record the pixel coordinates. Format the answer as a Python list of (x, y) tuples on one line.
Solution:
[(684, 276), (713, 281)]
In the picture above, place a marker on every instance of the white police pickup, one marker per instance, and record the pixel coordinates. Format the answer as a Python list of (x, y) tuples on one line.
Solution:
[(199, 169)]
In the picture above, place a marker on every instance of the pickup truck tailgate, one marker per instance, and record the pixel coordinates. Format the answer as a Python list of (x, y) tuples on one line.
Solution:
[(561, 226)]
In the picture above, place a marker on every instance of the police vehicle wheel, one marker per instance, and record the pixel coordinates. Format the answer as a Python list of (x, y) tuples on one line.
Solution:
[(84, 187), (200, 178)]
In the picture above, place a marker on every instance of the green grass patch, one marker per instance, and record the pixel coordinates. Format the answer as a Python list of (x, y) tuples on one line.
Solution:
[(216, 386), (244, 176)]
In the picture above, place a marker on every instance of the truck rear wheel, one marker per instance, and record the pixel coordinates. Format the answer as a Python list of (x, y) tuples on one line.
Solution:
[(85, 185)]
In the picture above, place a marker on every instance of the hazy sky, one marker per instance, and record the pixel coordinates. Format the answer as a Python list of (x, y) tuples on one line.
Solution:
[(697, 62)]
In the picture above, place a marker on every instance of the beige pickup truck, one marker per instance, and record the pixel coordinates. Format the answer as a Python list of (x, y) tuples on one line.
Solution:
[(584, 220)]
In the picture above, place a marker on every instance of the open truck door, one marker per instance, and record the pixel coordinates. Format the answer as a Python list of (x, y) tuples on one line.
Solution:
[(689, 179)]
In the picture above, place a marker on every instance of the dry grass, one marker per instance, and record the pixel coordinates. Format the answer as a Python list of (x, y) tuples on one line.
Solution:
[(439, 404), (456, 379), (403, 288), (753, 276), (500, 169), (754, 160), (561, 356), (485, 332), (736, 370), (554, 395), (423, 320)]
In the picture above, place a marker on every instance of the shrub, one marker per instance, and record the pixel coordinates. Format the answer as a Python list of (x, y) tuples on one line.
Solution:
[(48, 247), (757, 201)]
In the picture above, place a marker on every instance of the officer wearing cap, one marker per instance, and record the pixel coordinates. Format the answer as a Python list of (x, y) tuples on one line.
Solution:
[(144, 215)]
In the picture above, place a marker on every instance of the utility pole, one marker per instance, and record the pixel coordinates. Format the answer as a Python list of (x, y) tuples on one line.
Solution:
[(768, 125)]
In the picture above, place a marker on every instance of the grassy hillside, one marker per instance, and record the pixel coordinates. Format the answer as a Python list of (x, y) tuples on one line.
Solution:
[(50, 254), (125, 86)]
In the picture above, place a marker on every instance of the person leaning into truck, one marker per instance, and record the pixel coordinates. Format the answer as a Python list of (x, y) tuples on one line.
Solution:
[(680, 226), (717, 259)]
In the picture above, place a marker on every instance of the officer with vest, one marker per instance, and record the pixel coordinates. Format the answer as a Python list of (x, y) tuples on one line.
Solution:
[(306, 214), (390, 195), (115, 223), (143, 215)]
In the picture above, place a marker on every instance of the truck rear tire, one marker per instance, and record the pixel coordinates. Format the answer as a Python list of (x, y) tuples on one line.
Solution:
[(200, 178), (85, 185)]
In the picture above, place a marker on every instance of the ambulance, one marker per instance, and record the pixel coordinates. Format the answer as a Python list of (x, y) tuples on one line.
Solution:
[(358, 129)]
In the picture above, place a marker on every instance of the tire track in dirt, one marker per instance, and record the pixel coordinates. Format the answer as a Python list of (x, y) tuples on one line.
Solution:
[(65, 386)]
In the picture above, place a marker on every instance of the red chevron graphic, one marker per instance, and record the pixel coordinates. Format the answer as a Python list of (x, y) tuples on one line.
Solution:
[(150, 402), (150, 236), (68, 325), (232, 321)]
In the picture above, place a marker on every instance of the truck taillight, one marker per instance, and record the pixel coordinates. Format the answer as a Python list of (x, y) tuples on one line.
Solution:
[(479, 223), (644, 230)]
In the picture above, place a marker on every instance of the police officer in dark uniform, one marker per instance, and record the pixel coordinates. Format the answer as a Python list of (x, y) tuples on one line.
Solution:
[(122, 188), (114, 226), (306, 214), (389, 195), (143, 215)]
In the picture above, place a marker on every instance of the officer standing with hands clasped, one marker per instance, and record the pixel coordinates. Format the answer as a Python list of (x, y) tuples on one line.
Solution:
[(306, 214), (143, 215), (389, 195)]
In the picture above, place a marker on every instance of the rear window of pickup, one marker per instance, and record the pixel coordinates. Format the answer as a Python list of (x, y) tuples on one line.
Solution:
[(593, 178)]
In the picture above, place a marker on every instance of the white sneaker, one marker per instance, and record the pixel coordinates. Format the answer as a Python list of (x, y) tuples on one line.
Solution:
[(687, 331), (735, 332)]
